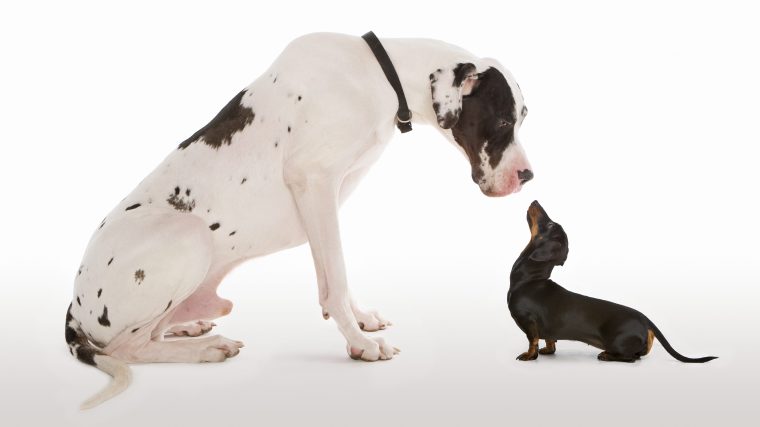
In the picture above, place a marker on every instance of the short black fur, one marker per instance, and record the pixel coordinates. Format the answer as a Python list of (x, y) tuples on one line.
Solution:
[(545, 310)]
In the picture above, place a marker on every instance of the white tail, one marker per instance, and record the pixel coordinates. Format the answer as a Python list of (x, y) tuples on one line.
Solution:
[(121, 374)]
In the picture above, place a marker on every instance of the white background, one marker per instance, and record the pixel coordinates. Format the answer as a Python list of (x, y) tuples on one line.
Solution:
[(643, 135)]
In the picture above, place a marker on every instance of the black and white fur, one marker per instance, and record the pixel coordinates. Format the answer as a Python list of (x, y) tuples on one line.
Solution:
[(269, 172)]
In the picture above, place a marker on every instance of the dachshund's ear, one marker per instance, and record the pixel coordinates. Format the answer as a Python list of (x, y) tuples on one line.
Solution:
[(448, 86), (547, 251)]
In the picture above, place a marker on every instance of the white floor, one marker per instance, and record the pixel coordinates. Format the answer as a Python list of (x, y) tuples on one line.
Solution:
[(457, 365)]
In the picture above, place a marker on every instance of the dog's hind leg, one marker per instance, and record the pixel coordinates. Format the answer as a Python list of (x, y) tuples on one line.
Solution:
[(624, 348), (193, 316), (606, 356), (550, 348), (214, 348)]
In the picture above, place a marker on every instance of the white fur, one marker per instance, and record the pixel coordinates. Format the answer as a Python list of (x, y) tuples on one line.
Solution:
[(294, 184)]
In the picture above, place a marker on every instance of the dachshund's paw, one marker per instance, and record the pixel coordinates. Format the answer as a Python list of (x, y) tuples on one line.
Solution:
[(528, 356), (547, 350)]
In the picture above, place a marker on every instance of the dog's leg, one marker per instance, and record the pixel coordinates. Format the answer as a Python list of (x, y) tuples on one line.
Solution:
[(623, 348), (532, 353), (550, 347), (208, 349), (317, 201), (528, 325), (192, 316), (606, 356), (369, 321), (191, 329)]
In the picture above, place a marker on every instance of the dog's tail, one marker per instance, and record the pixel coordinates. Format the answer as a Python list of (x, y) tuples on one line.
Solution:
[(672, 351), (81, 347)]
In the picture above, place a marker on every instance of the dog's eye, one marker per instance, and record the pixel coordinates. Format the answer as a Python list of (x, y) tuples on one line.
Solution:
[(504, 123)]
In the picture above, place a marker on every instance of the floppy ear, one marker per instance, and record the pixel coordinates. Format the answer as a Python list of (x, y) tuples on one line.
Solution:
[(548, 251), (448, 86)]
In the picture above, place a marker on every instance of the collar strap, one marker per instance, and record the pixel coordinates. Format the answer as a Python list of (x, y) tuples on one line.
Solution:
[(403, 116)]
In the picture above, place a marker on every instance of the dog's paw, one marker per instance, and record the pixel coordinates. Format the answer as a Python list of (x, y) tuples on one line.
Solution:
[(372, 350), (547, 350), (370, 321), (221, 349), (528, 356), (194, 329)]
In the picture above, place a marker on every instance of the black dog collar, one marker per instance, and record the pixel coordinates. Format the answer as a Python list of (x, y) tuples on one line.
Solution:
[(403, 116)]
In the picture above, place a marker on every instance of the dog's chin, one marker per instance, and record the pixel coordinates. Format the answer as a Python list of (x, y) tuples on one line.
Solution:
[(501, 192)]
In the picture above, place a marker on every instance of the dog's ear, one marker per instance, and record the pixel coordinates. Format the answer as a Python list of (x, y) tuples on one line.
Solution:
[(448, 86), (547, 251)]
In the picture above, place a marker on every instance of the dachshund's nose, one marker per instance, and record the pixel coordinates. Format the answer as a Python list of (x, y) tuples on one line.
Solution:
[(524, 176)]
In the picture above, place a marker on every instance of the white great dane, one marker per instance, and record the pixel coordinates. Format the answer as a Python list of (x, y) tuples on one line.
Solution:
[(269, 172)]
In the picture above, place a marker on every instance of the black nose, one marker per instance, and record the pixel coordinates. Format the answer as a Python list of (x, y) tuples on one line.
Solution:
[(524, 176)]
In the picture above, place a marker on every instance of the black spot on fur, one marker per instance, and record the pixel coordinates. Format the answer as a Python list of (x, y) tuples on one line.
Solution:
[(110, 261), (276, 143), (139, 276), (243, 181), (484, 113), (168, 305), (102, 224), (299, 97), (461, 71), (100, 291), (79, 302), (135, 206), (233, 118), (103, 319), (179, 202), (288, 129), (79, 272), (275, 80), (214, 226), (233, 233), (135, 330), (77, 340)]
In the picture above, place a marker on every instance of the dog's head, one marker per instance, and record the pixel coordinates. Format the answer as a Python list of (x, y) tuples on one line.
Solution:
[(547, 238), (483, 111)]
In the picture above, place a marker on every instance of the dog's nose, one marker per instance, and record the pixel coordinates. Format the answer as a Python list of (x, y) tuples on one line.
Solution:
[(524, 176)]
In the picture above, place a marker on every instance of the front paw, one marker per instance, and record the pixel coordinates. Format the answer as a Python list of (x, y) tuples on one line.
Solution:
[(528, 356), (372, 350), (370, 321)]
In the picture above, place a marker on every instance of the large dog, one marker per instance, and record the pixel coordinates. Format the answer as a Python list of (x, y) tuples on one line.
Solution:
[(269, 172)]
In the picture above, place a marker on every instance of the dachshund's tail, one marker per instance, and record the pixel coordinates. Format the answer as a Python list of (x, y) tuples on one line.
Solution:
[(81, 347), (672, 351)]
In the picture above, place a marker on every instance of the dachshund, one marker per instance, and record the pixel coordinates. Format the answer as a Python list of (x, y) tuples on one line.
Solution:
[(545, 310)]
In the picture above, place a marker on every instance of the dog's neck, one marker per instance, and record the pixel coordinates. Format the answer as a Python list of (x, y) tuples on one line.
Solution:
[(415, 60), (526, 270)]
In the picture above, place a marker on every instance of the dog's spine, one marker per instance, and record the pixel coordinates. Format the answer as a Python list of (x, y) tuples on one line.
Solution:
[(81, 347), (672, 351)]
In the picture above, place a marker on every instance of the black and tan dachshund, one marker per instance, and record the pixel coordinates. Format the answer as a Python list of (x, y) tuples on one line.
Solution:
[(546, 310)]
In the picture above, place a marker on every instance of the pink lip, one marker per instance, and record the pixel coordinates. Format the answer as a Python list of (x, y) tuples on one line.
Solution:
[(502, 193)]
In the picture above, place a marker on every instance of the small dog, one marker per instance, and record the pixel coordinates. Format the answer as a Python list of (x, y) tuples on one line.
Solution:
[(546, 310)]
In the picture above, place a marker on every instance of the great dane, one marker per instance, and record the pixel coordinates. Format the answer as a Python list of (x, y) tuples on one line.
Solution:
[(268, 173)]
